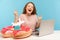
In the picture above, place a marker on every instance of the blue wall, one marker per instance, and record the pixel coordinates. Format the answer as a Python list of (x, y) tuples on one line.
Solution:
[(48, 9)]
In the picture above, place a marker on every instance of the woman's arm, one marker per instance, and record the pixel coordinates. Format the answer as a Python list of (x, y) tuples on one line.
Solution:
[(16, 16), (38, 22)]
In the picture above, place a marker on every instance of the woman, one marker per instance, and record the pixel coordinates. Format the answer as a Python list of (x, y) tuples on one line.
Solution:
[(30, 19), (29, 16)]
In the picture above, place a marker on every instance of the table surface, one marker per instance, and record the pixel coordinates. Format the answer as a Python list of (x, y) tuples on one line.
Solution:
[(54, 36)]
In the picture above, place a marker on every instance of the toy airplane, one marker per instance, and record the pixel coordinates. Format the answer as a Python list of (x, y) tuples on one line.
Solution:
[(17, 25), (17, 22)]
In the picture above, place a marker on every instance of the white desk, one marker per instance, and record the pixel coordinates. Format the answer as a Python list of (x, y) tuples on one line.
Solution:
[(54, 36)]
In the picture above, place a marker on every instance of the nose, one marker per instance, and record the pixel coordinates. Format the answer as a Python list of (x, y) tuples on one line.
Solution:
[(30, 7)]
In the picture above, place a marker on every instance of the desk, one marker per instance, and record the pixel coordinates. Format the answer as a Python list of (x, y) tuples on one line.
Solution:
[(54, 36)]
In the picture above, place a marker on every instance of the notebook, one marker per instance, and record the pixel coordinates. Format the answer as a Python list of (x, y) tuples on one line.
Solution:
[(46, 27)]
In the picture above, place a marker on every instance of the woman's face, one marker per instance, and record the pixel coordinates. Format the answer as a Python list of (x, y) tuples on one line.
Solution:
[(29, 8)]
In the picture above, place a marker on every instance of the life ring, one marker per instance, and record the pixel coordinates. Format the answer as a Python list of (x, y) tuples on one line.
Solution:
[(9, 31)]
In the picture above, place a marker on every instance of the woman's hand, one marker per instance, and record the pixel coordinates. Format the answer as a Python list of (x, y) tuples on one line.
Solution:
[(15, 13), (39, 19)]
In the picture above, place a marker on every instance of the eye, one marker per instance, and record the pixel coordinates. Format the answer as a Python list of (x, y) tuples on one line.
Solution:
[(31, 7), (28, 6)]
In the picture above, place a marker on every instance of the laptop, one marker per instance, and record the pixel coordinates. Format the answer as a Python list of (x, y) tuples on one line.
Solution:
[(46, 27)]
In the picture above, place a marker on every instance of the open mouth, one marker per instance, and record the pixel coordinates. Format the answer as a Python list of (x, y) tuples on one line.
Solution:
[(29, 10)]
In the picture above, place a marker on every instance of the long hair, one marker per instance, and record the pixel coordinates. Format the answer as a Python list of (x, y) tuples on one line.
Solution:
[(34, 9)]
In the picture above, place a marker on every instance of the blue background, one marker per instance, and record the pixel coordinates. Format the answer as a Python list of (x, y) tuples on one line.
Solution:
[(48, 9)]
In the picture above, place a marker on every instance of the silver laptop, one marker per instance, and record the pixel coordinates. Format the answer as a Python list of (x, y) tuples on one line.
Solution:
[(46, 27)]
